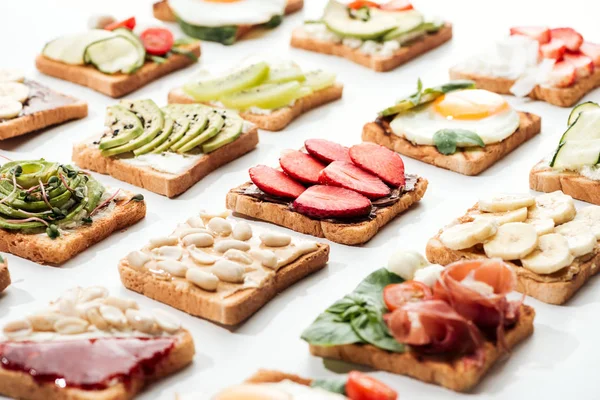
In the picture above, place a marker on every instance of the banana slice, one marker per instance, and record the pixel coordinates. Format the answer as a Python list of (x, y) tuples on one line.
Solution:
[(463, 236), (512, 241), (556, 205), (551, 255), (505, 202), (9, 108), (542, 226), (580, 237), (15, 90), (11, 75), (591, 216), (501, 218)]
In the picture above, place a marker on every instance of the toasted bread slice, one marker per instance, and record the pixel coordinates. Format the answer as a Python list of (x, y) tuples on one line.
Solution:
[(90, 157), (280, 118), (301, 40), (44, 250), (116, 85), (272, 376), (233, 309), (545, 179), (470, 162), (351, 233), (562, 97), (4, 275), (20, 385), (459, 374)]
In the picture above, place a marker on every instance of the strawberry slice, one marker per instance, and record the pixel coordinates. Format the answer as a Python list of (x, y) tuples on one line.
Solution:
[(327, 151), (592, 50), (332, 202), (539, 33), (274, 182), (301, 167), (555, 49), (562, 75), (584, 66), (569, 36), (380, 161), (349, 176)]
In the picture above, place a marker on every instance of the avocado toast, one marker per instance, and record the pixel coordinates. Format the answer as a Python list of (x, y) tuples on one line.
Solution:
[(165, 150)]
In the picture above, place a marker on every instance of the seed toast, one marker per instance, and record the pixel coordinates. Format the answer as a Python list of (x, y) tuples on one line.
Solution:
[(351, 233), (556, 288), (459, 374), (115, 85), (20, 385), (233, 309), (44, 250), (562, 97), (4, 275), (282, 117), (90, 157), (542, 178), (470, 162), (413, 49)]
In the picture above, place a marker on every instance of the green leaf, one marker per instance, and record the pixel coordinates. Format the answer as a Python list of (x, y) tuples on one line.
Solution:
[(331, 385), (372, 286), (156, 59), (186, 53), (184, 41), (448, 140), (371, 328), (330, 330)]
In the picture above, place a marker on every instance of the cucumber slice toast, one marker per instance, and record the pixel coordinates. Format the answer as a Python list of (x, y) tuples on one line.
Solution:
[(71, 49), (576, 153), (587, 106)]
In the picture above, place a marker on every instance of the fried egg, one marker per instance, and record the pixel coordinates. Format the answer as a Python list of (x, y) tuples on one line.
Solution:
[(485, 113), (214, 13), (284, 390)]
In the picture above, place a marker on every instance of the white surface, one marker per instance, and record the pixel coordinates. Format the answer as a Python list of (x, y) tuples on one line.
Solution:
[(559, 361)]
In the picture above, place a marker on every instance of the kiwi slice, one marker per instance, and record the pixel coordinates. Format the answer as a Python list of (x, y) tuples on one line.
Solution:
[(268, 96), (287, 73), (317, 80)]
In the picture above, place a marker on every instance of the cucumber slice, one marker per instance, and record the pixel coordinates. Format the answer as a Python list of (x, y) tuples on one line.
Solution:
[(198, 120), (180, 127), (587, 106), (230, 132), (158, 140), (127, 34), (216, 121), (318, 80), (70, 49), (285, 74), (576, 153), (268, 96), (222, 34), (585, 127), (213, 89), (115, 54), (124, 125)]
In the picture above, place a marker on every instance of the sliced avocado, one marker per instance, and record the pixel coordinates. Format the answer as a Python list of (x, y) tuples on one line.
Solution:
[(152, 119), (198, 120), (158, 140), (180, 127), (124, 127), (267, 96), (216, 121), (230, 132), (409, 22)]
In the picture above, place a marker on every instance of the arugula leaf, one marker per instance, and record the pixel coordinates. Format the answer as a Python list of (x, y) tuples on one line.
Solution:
[(330, 330), (448, 140), (331, 385)]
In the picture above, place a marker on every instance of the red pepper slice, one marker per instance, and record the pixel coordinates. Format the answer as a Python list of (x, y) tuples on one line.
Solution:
[(128, 23), (157, 41), (363, 387), (358, 4)]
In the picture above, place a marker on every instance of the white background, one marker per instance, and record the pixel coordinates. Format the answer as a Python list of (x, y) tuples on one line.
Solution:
[(559, 361)]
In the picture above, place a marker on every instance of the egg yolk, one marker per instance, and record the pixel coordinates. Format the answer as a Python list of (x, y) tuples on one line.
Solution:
[(471, 104)]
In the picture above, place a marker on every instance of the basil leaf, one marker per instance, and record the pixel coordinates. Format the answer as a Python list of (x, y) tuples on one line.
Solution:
[(448, 140), (342, 305), (372, 286), (330, 330), (370, 327), (331, 385)]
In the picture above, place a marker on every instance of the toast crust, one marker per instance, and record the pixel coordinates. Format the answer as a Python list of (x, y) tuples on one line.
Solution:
[(472, 162), (20, 385), (344, 233), (4, 276), (280, 118), (459, 374), (170, 185), (43, 250), (414, 49), (231, 310), (562, 97), (542, 178), (116, 85)]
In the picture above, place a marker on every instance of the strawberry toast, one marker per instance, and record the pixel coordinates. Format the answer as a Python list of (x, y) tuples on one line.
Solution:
[(343, 194), (553, 65)]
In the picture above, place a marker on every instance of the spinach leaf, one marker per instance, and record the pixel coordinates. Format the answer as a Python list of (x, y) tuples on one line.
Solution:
[(331, 385), (448, 140), (330, 330)]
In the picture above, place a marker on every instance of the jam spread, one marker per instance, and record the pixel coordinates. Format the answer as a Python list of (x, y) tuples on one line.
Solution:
[(89, 364), (42, 98)]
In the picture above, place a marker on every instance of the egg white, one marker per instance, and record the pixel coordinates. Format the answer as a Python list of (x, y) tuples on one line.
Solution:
[(210, 14), (287, 389)]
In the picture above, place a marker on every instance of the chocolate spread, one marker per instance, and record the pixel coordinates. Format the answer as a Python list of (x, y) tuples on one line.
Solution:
[(41, 98)]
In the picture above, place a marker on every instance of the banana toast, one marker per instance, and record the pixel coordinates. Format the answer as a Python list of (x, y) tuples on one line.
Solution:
[(4, 274)]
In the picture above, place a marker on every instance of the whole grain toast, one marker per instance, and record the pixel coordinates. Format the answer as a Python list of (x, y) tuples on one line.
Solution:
[(459, 374), (413, 49), (468, 162), (556, 288), (233, 309), (20, 385), (562, 97), (351, 233), (4, 275), (119, 84), (282, 117), (44, 250), (542, 178), (90, 157)]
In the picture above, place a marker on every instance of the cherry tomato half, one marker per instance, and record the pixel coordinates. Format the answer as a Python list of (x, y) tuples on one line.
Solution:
[(157, 41), (399, 293), (397, 5), (128, 23), (358, 4), (362, 387)]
